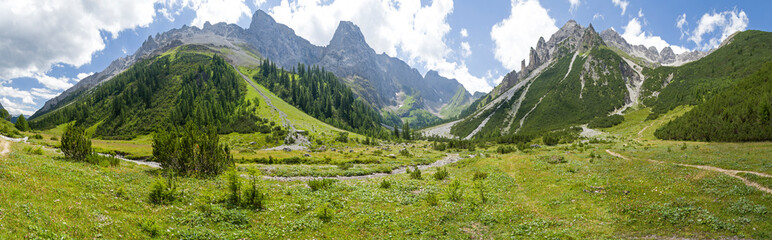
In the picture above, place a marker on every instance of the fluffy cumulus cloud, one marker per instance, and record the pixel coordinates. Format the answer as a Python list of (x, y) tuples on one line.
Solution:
[(717, 27), (466, 50), (622, 4), (635, 35), (39, 33), (213, 11), (514, 36), (463, 33), (389, 26)]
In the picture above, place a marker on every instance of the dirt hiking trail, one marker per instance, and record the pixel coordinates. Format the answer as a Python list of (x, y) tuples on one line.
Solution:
[(732, 173)]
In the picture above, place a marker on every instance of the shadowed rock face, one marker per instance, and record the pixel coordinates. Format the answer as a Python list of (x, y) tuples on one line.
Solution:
[(377, 78)]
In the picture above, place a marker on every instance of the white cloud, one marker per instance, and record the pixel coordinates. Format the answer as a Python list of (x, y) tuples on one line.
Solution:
[(37, 34), (514, 36), (259, 3), (681, 24), (61, 83), (720, 25), (389, 26), (16, 109), (636, 36), (574, 5), (215, 11), (81, 76), (466, 50), (464, 33), (24, 96), (622, 4), (640, 12), (598, 16), (43, 93)]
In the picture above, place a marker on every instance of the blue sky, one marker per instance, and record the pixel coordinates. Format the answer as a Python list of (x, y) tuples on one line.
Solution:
[(49, 45)]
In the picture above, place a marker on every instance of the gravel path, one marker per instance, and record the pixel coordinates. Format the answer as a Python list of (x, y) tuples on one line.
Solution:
[(732, 173), (450, 158), (5, 146)]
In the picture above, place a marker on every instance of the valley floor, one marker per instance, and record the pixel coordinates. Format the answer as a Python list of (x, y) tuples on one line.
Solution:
[(631, 187)]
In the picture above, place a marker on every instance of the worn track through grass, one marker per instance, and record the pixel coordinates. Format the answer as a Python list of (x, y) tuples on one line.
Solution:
[(5, 146), (732, 173)]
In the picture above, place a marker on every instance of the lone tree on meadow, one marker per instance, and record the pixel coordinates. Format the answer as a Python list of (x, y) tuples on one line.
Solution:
[(75, 143)]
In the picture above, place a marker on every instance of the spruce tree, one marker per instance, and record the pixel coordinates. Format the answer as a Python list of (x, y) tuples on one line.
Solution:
[(22, 124)]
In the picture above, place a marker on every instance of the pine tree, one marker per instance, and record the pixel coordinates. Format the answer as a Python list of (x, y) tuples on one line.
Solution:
[(22, 124)]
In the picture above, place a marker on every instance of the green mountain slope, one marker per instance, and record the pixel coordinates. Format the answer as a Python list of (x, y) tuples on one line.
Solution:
[(741, 113), (458, 103), (695, 82), (189, 84)]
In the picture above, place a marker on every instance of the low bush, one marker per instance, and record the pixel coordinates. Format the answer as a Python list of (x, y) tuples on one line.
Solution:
[(319, 184), (479, 176), (163, 192), (454, 191), (324, 213), (440, 174), (102, 161), (75, 145), (385, 184), (431, 199), (33, 150), (416, 174), (504, 149)]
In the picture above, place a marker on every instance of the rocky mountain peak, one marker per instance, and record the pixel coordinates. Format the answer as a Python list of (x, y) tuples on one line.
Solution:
[(261, 19), (348, 35)]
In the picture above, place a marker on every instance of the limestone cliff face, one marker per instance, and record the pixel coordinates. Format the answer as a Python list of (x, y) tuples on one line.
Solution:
[(377, 78)]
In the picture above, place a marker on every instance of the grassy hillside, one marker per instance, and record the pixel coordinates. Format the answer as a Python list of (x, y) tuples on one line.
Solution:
[(740, 113), (695, 82), (587, 194), (458, 103)]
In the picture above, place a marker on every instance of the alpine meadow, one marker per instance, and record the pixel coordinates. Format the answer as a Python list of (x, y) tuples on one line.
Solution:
[(385, 119)]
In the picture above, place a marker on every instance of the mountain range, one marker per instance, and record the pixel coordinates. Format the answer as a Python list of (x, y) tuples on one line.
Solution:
[(382, 81), (579, 75)]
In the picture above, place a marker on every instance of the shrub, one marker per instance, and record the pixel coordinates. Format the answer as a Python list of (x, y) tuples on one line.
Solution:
[(342, 137), (480, 187), (504, 149), (253, 197), (479, 176), (431, 199), (324, 213), (683, 146), (164, 192), (54, 139), (416, 174), (234, 185), (441, 174), (75, 144), (194, 151), (22, 124), (37, 136), (33, 150), (385, 184), (454, 191), (150, 227), (318, 184), (404, 152)]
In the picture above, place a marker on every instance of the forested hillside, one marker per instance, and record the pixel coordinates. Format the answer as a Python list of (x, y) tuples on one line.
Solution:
[(693, 83), (321, 95), (741, 113), (174, 88)]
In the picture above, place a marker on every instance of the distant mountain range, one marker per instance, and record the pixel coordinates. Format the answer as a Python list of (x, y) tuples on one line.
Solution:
[(579, 75), (382, 81)]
